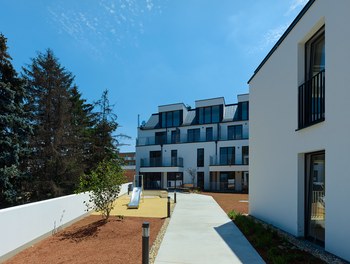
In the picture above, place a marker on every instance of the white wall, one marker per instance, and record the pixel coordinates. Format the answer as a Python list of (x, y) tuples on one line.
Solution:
[(20, 225), (277, 149)]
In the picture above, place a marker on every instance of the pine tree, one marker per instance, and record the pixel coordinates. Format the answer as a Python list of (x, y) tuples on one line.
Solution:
[(14, 128), (54, 161)]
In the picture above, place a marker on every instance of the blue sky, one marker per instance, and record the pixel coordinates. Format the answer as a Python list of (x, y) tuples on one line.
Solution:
[(149, 52)]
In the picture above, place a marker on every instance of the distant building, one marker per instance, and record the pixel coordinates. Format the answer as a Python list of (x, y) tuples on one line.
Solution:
[(129, 164), (211, 140), (300, 126)]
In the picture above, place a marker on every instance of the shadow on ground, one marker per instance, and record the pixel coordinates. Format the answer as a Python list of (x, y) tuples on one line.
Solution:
[(90, 230)]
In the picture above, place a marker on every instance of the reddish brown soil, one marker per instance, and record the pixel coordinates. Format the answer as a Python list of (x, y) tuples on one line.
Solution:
[(93, 241), (231, 201)]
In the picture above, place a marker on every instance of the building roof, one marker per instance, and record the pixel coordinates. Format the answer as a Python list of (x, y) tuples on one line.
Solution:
[(285, 34)]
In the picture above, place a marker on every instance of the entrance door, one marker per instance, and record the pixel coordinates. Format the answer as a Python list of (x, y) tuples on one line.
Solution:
[(315, 197)]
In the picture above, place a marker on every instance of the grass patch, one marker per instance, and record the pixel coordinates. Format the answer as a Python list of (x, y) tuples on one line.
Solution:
[(272, 247)]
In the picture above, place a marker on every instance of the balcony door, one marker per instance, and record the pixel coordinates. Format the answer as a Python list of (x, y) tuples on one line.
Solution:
[(315, 197), (155, 158)]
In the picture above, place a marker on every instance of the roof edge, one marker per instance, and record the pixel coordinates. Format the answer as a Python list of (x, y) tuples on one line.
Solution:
[(285, 34)]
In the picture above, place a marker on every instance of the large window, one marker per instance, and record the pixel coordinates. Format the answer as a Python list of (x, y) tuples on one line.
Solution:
[(210, 114), (174, 157), (170, 119), (200, 157), (227, 156), (311, 94), (235, 132), (193, 135)]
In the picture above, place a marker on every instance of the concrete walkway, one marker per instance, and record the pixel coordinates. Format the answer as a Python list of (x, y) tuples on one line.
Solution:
[(200, 232)]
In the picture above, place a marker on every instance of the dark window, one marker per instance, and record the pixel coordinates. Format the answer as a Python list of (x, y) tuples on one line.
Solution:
[(174, 157), (209, 134), (210, 114), (216, 114), (155, 158), (176, 118), (245, 110), (245, 155), (175, 136), (160, 138), (235, 132), (200, 157), (171, 118), (311, 94), (242, 111), (227, 156), (193, 135)]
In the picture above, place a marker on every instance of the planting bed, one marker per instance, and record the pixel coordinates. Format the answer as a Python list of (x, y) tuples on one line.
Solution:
[(91, 240)]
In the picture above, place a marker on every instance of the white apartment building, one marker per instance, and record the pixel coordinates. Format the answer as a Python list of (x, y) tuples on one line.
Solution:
[(211, 140), (299, 129)]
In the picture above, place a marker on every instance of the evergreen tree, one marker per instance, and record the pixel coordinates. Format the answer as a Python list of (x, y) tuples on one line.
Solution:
[(14, 128), (54, 161)]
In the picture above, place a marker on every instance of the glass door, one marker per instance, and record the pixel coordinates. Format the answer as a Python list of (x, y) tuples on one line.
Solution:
[(315, 197)]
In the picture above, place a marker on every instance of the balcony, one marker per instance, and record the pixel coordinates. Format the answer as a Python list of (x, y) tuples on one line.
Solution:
[(162, 162), (223, 160), (311, 101), (183, 138)]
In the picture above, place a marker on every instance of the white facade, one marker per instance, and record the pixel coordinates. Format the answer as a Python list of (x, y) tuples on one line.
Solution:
[(165, 149), (279, 147)]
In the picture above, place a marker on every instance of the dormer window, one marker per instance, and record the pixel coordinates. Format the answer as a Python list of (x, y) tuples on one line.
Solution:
[(209, 114), (170, 119)]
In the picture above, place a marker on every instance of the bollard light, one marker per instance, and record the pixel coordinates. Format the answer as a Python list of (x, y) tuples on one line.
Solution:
[(145, 243), (168, 206), (175, 196)]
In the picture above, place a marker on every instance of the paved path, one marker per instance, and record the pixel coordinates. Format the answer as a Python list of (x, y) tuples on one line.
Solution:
[(200, 232)]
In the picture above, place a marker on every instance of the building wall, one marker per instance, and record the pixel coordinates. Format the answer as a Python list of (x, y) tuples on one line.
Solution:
[(277, 149)]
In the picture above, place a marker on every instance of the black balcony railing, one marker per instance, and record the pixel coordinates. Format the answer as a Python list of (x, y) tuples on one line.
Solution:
[(311, 101)]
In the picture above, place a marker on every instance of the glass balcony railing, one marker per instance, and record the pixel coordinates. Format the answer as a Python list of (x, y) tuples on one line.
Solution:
[(185, 138), (162, 162), (226, 160)]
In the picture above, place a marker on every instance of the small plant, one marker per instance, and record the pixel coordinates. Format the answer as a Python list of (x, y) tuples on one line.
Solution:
[(104, 186), (120, 217), (233, 214)]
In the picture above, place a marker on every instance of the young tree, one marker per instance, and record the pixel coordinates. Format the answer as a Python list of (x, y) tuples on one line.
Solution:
[(104, 185), (192, 172), (14, 128)]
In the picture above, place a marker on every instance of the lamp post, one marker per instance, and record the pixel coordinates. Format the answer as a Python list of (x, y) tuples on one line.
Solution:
[(175, 189)]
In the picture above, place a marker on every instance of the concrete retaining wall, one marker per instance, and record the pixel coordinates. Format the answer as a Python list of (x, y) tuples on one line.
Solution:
[(21, 226)]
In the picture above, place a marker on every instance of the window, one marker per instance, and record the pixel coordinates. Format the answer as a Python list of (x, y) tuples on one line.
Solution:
[(171, 118), (200, 157), (210, 114), (160, 138), (209, 134), (174, 157), (234, 132), (311, 94), (155, 158), (175, 136), (193, 135), (227, 156), (242, 111), (245, 155)]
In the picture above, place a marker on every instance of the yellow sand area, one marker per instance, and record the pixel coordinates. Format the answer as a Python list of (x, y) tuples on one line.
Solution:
[(150, 206)]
